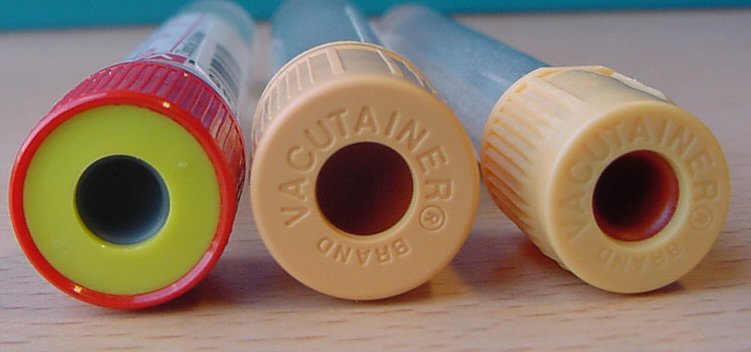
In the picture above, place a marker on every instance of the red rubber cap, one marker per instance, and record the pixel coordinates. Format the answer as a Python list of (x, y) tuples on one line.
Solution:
[(173, 92)]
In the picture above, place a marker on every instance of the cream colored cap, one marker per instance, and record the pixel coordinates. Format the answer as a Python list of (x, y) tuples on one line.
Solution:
[(363, 184), (606, 176)]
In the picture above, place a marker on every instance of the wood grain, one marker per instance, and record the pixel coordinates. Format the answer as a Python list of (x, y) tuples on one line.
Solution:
[(499, 293)]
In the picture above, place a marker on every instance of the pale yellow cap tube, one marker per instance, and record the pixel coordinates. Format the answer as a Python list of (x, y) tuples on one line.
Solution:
[(606, 176), (364, 184)]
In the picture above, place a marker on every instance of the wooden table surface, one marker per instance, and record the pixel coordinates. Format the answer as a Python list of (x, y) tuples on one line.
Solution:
[(498, 293)]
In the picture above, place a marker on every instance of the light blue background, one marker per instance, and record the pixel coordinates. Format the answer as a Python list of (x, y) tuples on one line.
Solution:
[(28, 14)]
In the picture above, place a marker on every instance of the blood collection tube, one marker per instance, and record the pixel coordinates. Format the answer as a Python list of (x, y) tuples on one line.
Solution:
[(364, 183), (125, 193), (605, 175)]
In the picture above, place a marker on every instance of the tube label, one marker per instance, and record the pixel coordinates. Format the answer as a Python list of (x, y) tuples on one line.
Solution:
[(213, 46)]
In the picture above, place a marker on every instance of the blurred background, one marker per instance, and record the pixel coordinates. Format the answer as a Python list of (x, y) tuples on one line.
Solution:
[(36, 14)]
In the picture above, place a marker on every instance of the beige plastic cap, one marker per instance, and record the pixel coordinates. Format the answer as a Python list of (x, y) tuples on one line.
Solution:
[(363, 184), (606, 176)]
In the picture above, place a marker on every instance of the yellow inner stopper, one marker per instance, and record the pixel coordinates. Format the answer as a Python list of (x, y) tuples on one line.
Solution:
[(121, 200)]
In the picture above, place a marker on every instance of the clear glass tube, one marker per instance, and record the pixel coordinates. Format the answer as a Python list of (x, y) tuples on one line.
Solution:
[(470, 70), (213, 39), (299, 25)]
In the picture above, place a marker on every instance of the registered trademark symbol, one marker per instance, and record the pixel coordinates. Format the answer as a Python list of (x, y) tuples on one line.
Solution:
[(701, 218), (432, 217)]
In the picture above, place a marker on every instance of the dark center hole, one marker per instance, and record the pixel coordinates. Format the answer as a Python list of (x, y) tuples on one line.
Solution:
[(122, 199), (364, 188), (635, 196)]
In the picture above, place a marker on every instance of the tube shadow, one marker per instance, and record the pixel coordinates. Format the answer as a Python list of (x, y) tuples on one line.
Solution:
[(726, 265), (240, 281), (497, 264)]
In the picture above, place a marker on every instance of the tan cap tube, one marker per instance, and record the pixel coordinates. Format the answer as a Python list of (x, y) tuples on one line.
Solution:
[(606, 176), (364, 184)]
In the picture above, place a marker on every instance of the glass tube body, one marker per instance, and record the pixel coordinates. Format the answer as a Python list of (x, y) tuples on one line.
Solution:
[(469, 69), (295, 29)]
